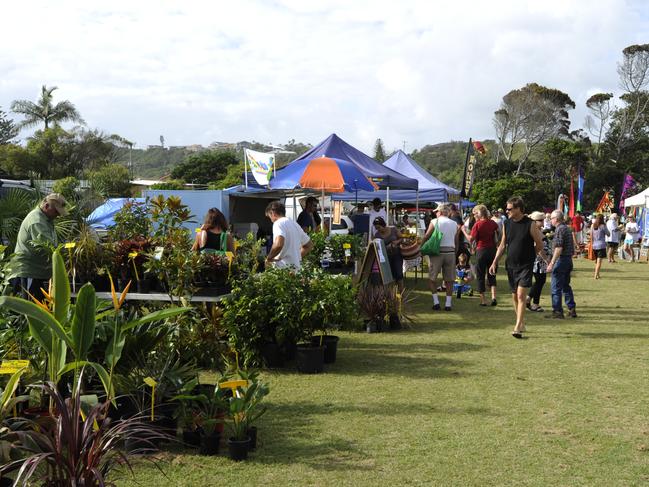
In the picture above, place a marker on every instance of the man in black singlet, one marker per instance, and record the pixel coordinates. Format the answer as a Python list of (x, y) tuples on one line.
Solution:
[(523, 241)]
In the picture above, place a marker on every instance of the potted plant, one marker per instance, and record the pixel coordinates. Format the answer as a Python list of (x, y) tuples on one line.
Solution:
[(332, 306), (371, 299), (244, 409), (75, 448)]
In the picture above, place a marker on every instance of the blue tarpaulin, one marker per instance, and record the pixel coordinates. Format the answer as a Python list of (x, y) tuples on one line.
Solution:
[(103, 216), (384, 177)]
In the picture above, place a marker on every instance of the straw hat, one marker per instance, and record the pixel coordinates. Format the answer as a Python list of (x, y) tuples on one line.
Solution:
[(537, 216)]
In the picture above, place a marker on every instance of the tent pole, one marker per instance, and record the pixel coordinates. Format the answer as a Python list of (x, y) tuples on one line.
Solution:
[(245, 166), (294, 209), (387, 205), (417, 210), (322, 222)]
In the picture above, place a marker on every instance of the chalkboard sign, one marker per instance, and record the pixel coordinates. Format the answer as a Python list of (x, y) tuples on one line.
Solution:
[(376, 252)]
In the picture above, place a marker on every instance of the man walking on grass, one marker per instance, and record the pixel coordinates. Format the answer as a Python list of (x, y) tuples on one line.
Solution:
[(445, 261), (523, 242), (561, 266)]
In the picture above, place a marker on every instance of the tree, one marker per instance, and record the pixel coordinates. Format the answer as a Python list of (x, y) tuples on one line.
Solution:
[(204, 167), (111, 181), (530, 116), (598, 120), (631, 120), (379, 151), (67, 187), (44, 111), (8, 129), (495, 192), (15, 161)]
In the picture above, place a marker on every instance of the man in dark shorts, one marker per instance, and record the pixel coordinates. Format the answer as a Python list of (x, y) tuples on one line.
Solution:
[(522, 241)]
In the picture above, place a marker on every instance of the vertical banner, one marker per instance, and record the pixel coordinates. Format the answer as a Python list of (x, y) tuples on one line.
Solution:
[(337, 212), (628, 185), (606, 204), (261, 164), (571, 203), (469, 167), (580, 188)]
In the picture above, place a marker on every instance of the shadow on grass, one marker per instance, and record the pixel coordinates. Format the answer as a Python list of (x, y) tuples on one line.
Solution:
[(287, 439)]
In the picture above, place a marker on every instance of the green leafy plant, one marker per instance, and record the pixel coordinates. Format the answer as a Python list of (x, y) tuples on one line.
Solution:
[(132, 221), (336, 245), (313, 258), (76, 448), (59, 327)]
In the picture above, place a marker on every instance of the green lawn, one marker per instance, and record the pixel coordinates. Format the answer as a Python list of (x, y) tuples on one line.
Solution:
[(455, 400)]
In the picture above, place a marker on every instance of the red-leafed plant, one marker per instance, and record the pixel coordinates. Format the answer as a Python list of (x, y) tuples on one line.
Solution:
[(78, 445)]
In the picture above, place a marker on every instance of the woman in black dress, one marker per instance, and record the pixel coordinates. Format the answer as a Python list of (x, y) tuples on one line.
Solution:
[(213, 235)]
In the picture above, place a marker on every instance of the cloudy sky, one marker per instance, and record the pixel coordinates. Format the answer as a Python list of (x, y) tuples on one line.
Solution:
[(415, 71)]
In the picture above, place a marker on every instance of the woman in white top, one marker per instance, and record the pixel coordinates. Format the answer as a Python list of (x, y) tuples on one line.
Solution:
[(632, 234)]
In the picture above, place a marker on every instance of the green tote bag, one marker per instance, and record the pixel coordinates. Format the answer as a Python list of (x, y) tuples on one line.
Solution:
[(431, 246)]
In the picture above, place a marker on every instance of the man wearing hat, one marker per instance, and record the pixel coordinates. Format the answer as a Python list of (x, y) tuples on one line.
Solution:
[(376, 211), (32, 263)]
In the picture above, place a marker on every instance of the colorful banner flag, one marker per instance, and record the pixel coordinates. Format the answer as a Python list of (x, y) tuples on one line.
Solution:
[(580, 188), (469, 168), (628, 187), (571, 203), (606, 204), (261, 165)]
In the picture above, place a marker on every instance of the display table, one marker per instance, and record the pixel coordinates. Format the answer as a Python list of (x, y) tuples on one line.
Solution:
[(160, 297)]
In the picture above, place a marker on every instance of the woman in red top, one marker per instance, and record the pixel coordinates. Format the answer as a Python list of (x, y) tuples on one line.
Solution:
[(484, 234)]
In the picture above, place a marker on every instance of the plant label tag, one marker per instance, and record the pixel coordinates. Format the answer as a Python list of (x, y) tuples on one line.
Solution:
[(157, 253), (348, 253), (347, 246), (13, 366), (132, 255), (150, 381), (70, 245)]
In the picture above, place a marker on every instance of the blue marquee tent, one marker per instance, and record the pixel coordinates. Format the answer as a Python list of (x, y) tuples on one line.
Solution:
[(403, 164), (383, 176)]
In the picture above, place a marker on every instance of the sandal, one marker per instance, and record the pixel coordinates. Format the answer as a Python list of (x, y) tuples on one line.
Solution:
[(538, 309)]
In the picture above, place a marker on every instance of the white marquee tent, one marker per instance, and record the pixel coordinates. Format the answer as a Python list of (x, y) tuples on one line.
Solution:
[(640, 199)]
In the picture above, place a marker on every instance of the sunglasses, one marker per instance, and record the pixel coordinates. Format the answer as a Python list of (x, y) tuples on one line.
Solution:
[(507, 210)]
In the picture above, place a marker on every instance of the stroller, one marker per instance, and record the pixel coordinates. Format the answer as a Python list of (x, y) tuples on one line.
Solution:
[(461, 287)]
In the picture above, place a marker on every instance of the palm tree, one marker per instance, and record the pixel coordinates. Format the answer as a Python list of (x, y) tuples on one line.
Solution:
[(44, 111)]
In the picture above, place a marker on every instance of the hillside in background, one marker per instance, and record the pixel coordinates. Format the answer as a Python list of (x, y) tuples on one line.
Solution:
[(445, 161), (151, 163)]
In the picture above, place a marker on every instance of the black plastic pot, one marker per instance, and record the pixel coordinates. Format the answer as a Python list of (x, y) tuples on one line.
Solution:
[(395, 322), (375, 326), (101, 283), (272, 355), (238, 449), (121, 284), (210, 444), (309, 358), (330, 343), (192, 437), (252, 434), (6, 482), (289, 349), (143, 286)]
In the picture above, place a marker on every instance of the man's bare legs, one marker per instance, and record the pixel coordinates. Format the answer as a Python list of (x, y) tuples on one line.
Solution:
[(518, 299)]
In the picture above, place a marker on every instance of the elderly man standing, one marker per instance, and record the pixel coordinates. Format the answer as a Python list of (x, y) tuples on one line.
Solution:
[(560, 266), (445, 261), (31, 264)]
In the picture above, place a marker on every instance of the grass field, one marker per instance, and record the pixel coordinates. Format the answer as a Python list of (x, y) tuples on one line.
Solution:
[(455, 400)]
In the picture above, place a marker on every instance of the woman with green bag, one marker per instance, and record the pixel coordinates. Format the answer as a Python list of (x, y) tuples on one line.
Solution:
[(440, 244), (213, 235)]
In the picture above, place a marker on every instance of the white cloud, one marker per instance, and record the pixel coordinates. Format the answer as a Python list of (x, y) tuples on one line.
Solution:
[(418, 71)]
